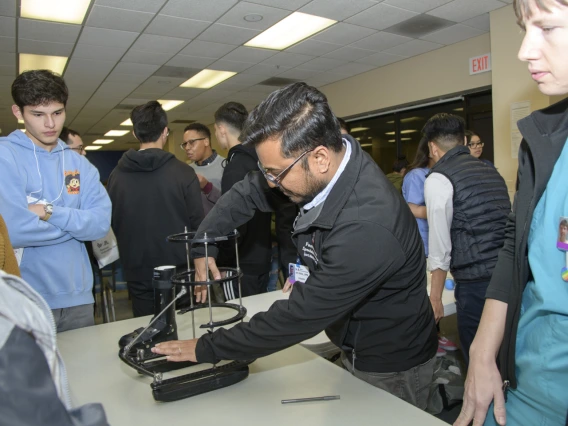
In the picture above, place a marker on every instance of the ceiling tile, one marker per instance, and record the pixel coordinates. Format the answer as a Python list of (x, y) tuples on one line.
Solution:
[(153, 58), (207, 49), (219, 33), (282, 4), (148, 93), (135, 68), (380, 41), (453, 34), (118, 19), (313, 47), (107, 37), (172, 26), (419, 6), (480, 22), (202, 10), (337, 9), (343, 34), (381, 16), (151, 6), (247, 79), (183, 93), (116, 78), (8, 44), (267, 70), (348, 54), (287, 59), (45, 48), (461, 10), (88, 68), (7, 26), (413, 48), (8, 8), (380, 59), (325, 78), (249, 54), (352, 68), (9, 60), (321, 64), (190, 61), (223, 65), (99, 53), (8, 71), (31, 29), (159, 44), (297, 74), (270, 16)]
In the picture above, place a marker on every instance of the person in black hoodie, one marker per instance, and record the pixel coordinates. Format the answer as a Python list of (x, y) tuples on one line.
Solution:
[(153, 195), (255, 249)]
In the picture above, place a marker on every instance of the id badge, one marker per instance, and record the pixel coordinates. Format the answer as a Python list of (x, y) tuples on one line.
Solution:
[(562, 243), (298, 273)]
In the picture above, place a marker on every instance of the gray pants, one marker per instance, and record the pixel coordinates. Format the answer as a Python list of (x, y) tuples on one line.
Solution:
[(412, 385), (74, 317)]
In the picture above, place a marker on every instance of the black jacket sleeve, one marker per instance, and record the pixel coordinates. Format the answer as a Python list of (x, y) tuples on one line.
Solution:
[(29, 396), (192, 197), (341, 282)]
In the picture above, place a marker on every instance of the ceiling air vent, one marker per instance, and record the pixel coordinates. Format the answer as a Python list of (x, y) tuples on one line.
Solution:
[(278, 81), (419, 26)]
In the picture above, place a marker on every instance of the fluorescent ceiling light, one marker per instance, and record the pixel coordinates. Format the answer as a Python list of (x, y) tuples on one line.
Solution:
[(126, 123), (389, 133), (68, 11), (167, 104), (458, 109), (405, 139), (207, 79), (42, 62), (103, 141), (391, 140), (409, 119), (289, 31), (359, 129), (405, 132), (116, 132), (93, 147), (366, 145)]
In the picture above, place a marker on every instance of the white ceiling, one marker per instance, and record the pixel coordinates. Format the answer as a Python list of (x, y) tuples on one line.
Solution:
[(122, 44)]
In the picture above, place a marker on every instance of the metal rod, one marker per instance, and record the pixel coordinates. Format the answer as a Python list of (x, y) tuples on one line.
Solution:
[(191, 292), (208, 285), (129, 346), (238, 271)]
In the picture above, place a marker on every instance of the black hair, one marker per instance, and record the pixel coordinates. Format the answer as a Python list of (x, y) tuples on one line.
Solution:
[(200, 128), (399, 164), (39, 87), (233, 114), (422, 156), (344, 125), (297, 114), (149, 121), (65, 133), (468, 135), (445, 130)]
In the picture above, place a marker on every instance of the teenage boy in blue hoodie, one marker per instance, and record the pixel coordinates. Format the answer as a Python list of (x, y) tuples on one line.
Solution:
[(52, 200)]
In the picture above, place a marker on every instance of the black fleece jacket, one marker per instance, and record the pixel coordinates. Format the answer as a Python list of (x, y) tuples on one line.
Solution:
[(153, 195), (367, 286), (544, 135), (255, 247)]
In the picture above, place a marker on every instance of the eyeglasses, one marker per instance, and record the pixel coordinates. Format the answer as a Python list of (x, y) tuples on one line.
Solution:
[(191, 142), (277, 179), (475, 144), (78, 148)]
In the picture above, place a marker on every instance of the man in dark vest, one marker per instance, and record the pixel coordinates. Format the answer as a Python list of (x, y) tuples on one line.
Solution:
[(467, 205)]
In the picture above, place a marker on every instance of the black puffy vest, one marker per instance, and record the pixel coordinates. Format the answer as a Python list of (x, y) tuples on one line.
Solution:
[(481, 206)]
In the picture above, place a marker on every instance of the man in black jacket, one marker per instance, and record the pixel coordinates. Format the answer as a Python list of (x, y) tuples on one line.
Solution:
[(153, 195), (363, 276), (467, 203), (255, 249), (524, 320)]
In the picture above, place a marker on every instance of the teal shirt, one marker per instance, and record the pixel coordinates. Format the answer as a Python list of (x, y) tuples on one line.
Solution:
[(542, 339)]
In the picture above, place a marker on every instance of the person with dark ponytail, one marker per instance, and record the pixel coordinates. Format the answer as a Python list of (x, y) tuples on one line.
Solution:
[(255, 248)]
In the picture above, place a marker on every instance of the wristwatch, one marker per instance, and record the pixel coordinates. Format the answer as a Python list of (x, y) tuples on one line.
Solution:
[(48, 211)]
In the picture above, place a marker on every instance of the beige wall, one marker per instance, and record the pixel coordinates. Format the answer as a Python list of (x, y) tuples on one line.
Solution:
[(432, 74)]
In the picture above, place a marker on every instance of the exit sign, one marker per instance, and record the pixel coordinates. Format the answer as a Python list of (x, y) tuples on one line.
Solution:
[(480, 64)]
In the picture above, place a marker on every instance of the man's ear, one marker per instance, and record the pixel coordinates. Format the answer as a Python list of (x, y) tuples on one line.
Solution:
[(17, 112), (322, 158)]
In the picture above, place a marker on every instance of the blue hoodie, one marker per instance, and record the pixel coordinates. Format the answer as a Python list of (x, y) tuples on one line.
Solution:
[(55, 262)]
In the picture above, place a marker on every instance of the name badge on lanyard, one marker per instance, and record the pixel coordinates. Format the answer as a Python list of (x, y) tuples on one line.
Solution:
[(298, 272), (562, 243)]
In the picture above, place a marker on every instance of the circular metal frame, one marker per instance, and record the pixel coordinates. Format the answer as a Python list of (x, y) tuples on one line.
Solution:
[(241, 313), (184, 278), (189, 237)]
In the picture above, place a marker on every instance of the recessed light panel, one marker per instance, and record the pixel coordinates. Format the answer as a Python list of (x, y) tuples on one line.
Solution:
[(116, 132), (103, 141), (290, 30), (42, 62), (67, 11), (207, 79), (126, 123), (93, 147), (166, 105)]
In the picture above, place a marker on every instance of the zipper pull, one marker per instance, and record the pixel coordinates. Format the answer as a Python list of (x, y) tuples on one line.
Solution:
[(506, 386), (353, 358)]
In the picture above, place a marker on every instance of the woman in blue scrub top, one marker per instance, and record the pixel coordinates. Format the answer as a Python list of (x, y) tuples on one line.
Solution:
[(413, 188), (525, 317)]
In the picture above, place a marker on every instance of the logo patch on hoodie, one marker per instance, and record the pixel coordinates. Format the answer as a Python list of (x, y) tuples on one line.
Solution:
[(73, 182)]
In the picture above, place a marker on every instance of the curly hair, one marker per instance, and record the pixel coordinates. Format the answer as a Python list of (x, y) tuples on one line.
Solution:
[(39, 87)]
